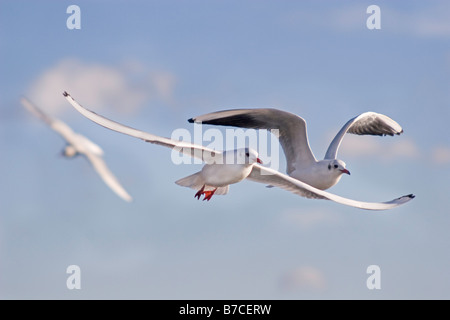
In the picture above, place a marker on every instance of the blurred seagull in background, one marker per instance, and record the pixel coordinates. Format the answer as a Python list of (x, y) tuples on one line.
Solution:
[(79, 145), (216, 176), (301, 162)]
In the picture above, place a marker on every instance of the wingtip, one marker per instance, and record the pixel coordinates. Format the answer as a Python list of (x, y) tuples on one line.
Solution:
[(408, 196), (400, 132), (65, 94), (191, 120)]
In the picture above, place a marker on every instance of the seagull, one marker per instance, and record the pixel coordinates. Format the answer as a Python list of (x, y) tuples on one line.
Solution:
[(301, 162), (218, 172), (79, 145)]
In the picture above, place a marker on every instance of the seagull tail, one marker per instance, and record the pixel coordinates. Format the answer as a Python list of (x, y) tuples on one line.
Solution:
[(195, 181)]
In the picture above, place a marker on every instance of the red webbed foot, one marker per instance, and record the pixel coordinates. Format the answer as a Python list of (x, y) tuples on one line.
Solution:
[(199, 193), (208, 194)]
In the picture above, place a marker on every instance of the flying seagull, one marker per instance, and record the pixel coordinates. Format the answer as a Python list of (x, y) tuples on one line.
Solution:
[(212, 178), (301, 162), (79, 145)]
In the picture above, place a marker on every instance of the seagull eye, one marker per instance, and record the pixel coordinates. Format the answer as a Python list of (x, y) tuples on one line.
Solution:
[(247, 154), (335, 166)]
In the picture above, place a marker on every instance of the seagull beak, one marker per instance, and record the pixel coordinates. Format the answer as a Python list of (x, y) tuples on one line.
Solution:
[(345, 171), (259, 160)]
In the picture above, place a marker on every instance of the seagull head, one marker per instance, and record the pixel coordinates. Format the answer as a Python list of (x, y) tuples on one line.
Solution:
[(69, 151), (337, 167), (248, 156)]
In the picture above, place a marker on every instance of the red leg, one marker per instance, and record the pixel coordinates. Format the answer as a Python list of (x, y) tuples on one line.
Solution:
[(209, 194), (199, 193)]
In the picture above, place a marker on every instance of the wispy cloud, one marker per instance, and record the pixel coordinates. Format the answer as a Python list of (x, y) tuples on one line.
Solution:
[(382, 148), (389, 149), (305, 278), (441, 155), (125, 88), (429, 21), (432, 21)]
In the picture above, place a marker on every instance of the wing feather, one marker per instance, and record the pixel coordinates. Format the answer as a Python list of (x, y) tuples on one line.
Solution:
[(193, 150), (271, 177), (107, 176), (368, 123), (291, 128)]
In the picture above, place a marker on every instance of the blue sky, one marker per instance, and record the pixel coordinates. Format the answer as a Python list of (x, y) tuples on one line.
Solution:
[(152, 65)]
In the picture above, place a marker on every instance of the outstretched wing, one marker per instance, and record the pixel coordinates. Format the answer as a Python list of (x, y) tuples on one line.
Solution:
[(274, 178), (292, 130), (193, 150), (60, 127), (368, 123), (107, 176)]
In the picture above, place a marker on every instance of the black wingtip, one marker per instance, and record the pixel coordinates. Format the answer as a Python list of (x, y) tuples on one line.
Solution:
[(411, 196), (191, 120), (65, 94)]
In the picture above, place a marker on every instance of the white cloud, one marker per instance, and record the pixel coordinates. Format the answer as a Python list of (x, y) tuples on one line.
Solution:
[(433, 21), (389, 149), (383, 148), (441, 155), (303, 278), (429, 21), (124, 88)]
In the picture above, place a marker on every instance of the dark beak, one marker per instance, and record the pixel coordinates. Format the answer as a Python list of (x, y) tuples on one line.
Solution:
[(345, 171)]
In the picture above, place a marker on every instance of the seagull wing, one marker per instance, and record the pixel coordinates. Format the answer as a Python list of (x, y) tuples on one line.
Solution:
[(368, 123), (57, 125), (292, 130), (80, 142), (193, 150), (111, 181), (272, 177), (35, 111)]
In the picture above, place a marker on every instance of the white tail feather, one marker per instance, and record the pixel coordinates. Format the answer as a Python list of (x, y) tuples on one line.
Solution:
[(195, 181), (222, 190)]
